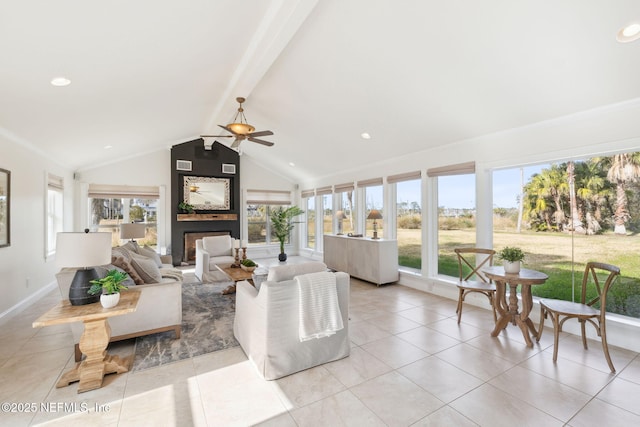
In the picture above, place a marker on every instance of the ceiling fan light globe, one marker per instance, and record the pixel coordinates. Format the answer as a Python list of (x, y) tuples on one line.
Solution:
[(241, 128)]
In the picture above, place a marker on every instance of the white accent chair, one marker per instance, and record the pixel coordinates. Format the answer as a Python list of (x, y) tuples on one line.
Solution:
[(267, 323), (212, 250)]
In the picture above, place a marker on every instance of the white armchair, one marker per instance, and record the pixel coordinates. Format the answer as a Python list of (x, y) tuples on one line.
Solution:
[(213, 250), (267, 323)]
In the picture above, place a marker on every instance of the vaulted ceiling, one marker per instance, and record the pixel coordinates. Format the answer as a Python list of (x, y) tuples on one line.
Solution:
[(415, 74)]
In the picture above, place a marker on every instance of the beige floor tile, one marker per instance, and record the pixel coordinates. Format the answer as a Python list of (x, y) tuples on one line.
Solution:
[(163, 406), (558, 400), (394, 351), (478, 317), (393, 323), (177, 375), (598, 413), (341, 409), (461, 332), (623, 394), (632, 371), (308, 386), (391, 305), (570, 347), (362, 312), (570, 373), (506, 348), (489, 406), (218, 360), (363, 332), (106, 414), (422, 315), (44, 343), (396, 400), (281, 420), (215, 380), (445, 416), (357, 368), (440, 378), (475, 362), (428, 340)]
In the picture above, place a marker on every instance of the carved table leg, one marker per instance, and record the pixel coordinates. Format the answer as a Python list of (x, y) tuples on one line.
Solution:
[(501, 308), (93, 344)]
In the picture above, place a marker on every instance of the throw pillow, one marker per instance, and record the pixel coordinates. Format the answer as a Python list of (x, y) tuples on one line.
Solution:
[(124, 264), (131, 246), (146, 268), (121, 252), (104, 269), (148, 252)]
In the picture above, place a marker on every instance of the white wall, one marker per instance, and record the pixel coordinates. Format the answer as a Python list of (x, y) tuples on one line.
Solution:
[(24, 272)]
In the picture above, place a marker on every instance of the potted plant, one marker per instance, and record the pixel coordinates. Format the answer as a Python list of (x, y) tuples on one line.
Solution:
[(248, 265), (282, 225), (109, 287), (511, 257), (186, 207)]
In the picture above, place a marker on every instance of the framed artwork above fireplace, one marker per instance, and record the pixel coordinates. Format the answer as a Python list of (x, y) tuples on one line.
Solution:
[(207, 193)]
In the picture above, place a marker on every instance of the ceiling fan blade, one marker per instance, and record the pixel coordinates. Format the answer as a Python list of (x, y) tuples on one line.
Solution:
[(237, 142), (261, 133), (216, 136), (259, 141), (227, 129)]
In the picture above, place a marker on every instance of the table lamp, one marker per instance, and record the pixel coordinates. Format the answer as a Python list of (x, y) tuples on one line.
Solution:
[(340, 215), (375, 215), (132, 231), (83, 251)]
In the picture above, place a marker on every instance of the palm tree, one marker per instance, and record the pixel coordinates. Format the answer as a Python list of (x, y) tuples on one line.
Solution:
[(576, 223), (624, 169)]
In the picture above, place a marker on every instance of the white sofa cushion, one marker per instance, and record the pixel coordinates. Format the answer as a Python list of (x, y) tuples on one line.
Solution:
[(217, 245), (281, 273)]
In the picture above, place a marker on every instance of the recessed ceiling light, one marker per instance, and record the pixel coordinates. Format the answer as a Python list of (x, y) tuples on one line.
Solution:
[(108, 147), (60, 81), (365, 135), (292, 164), (629, 33)]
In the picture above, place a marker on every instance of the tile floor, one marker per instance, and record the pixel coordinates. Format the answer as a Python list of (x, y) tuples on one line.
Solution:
[(411, 364)]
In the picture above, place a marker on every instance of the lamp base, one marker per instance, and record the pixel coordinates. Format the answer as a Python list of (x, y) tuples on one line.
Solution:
[(79, 289)]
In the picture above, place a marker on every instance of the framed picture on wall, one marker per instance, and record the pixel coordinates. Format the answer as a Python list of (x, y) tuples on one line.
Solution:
[(5, 193)]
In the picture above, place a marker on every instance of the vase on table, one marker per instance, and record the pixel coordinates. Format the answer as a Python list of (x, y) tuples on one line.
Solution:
[(109, 300), (511, 267)]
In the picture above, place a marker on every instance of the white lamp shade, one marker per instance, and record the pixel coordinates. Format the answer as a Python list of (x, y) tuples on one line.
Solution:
[(132, 231), (79, 250)]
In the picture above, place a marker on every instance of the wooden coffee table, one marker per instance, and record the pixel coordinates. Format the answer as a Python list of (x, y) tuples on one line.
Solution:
[(94, 339), (237, 274)]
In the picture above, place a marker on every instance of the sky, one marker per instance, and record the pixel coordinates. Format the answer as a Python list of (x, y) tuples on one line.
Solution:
[(458, 191)]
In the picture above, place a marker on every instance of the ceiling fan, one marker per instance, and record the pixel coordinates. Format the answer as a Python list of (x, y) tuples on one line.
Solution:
[(242, 130)]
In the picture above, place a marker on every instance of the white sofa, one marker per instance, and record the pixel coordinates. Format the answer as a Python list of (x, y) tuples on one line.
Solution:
[(159, 307), (266, 323), (212, 250)]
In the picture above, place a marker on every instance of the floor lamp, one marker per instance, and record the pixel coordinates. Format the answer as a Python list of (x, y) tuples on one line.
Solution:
[(83, 251)]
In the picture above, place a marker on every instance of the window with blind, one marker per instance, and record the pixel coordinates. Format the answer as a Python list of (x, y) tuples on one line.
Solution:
[(55, 212), (345, 215), (408, 218), (373, 197), (259, 205), (311, 222), (456, 213), (112, 205)]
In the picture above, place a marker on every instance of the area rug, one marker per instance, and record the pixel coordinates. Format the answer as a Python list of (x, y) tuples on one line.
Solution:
[(207, 326)]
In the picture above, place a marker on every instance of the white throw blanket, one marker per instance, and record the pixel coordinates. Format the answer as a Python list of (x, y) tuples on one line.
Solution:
[(319, 310)]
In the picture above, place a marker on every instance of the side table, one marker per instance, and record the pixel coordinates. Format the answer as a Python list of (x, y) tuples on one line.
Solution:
[(94, 339)]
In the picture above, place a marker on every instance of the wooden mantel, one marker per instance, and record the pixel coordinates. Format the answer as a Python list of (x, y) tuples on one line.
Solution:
[(207, 217)]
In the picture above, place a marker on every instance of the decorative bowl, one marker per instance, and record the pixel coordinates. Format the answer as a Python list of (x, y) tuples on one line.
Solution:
[(249, 269)]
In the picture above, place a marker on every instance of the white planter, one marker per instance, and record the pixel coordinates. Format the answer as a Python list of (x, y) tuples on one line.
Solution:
[(109, 301), (511, 267)]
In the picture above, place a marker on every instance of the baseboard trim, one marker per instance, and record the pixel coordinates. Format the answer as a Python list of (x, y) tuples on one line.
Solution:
[(28, 301)]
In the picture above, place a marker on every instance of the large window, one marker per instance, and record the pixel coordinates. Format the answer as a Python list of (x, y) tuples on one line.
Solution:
[(456, 214), (110, 206), (259, 206), (311, 222), (571, 213), (327, 213), (55, 211), (409, 220), (373, 197), (345, 215)]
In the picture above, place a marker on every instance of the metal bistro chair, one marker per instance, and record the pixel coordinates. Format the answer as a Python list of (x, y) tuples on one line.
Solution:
[(584, 311), (475, 259)]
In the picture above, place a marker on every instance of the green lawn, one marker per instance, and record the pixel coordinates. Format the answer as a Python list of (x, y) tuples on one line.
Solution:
[(550, 253)]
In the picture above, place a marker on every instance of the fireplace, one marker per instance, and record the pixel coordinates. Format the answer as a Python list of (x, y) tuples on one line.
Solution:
[(190, 243)]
